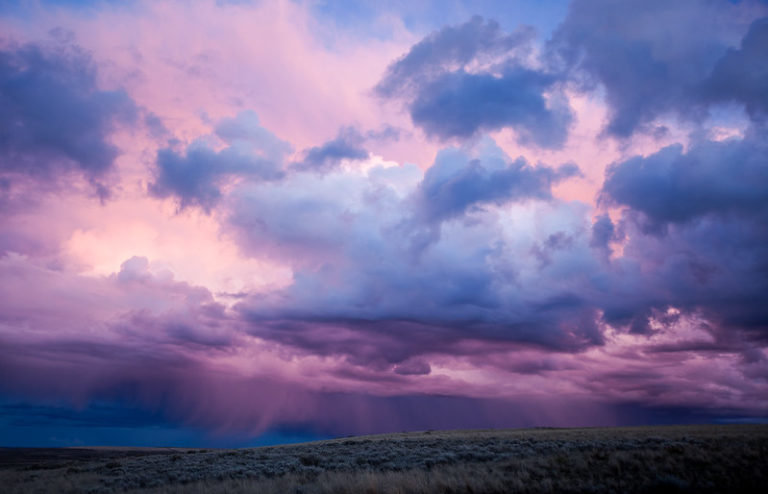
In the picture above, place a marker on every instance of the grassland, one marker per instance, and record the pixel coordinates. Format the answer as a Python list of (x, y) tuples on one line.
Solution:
[(727, 458)]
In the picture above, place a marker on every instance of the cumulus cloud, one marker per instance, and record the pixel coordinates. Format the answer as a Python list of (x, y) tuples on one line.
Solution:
[(672, 186), (356, 274), (697, 217), (348, 145), (457, 182), (714, 266), (741, 75), (460, 104), (54, 118), (510, 273), (466, 79), (404, 291), (481, 273), (603, 233), (196, 175), (652, 57), (452, 45)]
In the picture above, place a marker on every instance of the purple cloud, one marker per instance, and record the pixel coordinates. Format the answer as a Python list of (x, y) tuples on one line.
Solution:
[(448, 100), (455, 183), (651, 57), (54, 119), (539, 272), (348, 145), (359, 276), (195, 177), (672, 186), (741, 75)]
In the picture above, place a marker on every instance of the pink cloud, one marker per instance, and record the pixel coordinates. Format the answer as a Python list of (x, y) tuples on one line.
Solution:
[(399, 286)]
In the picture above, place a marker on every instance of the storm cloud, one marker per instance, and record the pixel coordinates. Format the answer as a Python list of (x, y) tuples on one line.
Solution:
[(699, 218), (448, 221), (672, 186), (654, 57), (470, 78), (362, 278), (456, 182), (196, 175), (54, 118), (741, 75)]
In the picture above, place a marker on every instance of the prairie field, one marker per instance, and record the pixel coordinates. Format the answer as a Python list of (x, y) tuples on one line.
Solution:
[(702, 458)]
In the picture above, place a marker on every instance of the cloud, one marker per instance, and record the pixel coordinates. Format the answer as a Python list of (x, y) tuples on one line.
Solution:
[(360, 290), (603, 233), (498, 259), (196, 176), (457, 182), (650, 57), (515, 284), (348, 145), (413, 368), (713, 267), (161, 352), (461, 104), (741, 75), (697, 217), (385, 297), (137, 370), (55, 119), (466, 79), (452, 45), (245, 132), (672, 186)]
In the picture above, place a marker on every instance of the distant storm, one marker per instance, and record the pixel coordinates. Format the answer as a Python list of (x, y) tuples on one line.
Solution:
[(235, 222)]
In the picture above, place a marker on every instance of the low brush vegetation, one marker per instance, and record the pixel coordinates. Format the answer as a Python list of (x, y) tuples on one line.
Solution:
[(731, 458)]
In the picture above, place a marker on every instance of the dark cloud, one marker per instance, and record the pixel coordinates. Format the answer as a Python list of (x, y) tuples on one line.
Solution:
[(452, 45), (672, 186), (360, 289), (348, 145), (53, 117), (693, 228), (691, 240), (603, 233), (652, 59), (195, 177), (714, 267), (455, 183), (135, 374), (398, 274), (413, 367), (238, 409), (741, 75), (150, 327), (141, 368), (460, 104), (649, 56), (448, 96), (698, 218)]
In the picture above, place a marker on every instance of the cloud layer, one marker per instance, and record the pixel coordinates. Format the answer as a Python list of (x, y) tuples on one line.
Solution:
[(380, 235)]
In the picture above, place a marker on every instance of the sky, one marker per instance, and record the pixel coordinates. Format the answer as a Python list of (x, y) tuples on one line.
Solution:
[(233, 223)]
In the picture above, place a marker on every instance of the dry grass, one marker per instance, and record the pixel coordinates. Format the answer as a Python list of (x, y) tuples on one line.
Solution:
[(652, 459)]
